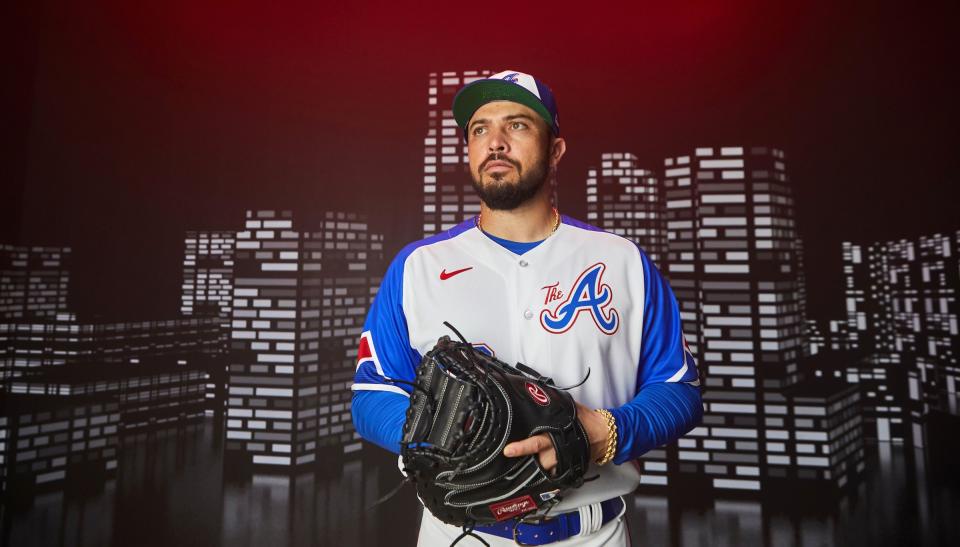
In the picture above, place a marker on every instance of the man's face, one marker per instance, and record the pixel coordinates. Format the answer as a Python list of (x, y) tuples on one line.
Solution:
[(509, 146)]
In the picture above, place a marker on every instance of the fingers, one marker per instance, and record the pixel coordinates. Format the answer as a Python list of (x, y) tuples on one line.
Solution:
[(548, 459), (538, 444), (531, 445)]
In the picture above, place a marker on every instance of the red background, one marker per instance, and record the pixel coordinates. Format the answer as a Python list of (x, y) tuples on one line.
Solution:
[(132, 123)]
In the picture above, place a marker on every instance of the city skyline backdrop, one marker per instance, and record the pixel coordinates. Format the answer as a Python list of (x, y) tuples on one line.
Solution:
[(791, 178), (282, 308)]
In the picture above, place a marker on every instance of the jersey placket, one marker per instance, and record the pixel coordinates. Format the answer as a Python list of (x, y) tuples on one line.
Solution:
[(531, 271), (525, 274)]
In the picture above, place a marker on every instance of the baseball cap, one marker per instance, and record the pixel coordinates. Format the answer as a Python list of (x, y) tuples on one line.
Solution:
[(508, 85)]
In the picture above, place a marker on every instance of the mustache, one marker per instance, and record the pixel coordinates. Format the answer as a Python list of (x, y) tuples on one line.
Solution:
[(497, 156)]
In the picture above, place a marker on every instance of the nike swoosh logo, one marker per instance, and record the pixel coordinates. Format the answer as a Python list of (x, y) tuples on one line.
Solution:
[(444, 275)]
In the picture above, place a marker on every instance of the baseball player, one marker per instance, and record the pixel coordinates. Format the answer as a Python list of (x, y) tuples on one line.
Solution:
[(530, 285)]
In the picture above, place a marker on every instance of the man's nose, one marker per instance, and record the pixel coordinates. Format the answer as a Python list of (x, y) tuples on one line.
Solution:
[(498, 142)]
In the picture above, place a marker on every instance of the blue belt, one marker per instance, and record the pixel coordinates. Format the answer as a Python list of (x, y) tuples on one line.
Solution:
[(550, 529)]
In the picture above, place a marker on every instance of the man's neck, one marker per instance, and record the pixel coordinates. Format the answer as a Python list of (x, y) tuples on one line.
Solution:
[(532, 221)]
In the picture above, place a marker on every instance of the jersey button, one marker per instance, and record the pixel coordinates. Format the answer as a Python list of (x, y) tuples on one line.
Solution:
[(528, 314), (523, 263)]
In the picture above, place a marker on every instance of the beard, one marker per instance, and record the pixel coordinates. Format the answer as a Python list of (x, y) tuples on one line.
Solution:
[(498, 194)]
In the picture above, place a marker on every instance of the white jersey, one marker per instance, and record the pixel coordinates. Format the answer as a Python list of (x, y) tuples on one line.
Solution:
[(582, 299)]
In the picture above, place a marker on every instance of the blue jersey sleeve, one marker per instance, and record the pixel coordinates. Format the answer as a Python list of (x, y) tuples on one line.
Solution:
[(379, 402), (659, 414), (668, 403), (664, 355), (378, 417), (384, 354)]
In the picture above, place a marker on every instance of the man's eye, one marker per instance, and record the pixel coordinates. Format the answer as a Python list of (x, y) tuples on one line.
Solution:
[(518, 125), (479, 130)]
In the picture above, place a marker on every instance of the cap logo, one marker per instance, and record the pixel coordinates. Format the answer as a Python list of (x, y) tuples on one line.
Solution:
[(512, 77)]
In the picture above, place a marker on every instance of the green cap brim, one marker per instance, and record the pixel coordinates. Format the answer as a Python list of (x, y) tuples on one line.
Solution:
[(481, 92)]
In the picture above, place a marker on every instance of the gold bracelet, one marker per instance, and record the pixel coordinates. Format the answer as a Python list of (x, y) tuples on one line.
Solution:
[(611, 437)]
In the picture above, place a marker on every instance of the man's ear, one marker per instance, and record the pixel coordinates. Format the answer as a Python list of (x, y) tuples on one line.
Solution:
[(557, 148)]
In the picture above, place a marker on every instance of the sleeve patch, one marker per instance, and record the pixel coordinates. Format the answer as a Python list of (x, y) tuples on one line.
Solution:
[(367, 353)]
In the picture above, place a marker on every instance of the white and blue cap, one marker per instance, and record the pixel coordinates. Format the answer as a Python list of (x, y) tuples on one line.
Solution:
[(508, 85)]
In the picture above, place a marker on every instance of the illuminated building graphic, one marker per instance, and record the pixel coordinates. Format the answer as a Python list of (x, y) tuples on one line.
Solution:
[(67, 419), (448, 194), (817, 435), (208, 276), (882, 382), (33, 282), (300, 299), (152, 392), (834, 335), (207, 291), (70, 387), (733, 262), (902, 310), (869, 322), (30, 346), (802, 296), (49, 438), (923, 276), (624, 199), (816, 341)]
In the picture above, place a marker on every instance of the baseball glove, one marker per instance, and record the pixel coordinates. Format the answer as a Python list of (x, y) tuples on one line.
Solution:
[(465, 407)]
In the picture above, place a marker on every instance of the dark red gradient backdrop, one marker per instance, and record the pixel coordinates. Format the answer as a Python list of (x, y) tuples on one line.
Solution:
[(135, 122)]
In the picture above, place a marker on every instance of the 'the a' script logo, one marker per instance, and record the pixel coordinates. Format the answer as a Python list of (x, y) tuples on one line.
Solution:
[(588, 295)]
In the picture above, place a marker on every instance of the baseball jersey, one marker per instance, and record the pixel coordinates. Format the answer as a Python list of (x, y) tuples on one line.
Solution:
[(582, 299)]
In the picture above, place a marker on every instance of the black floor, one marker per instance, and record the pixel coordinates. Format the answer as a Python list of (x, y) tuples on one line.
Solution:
[(171, 489)]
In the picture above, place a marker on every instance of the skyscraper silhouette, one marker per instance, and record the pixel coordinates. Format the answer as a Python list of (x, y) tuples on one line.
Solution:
[(34, 282), (299, 303), (208, 275), (448, 196), (902, 311), (733, 261), (624, 199)]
